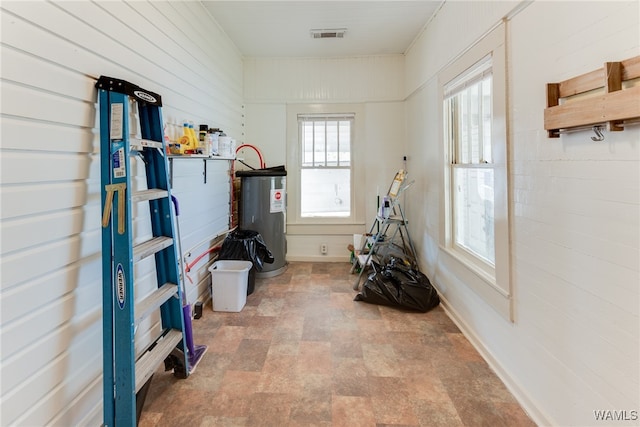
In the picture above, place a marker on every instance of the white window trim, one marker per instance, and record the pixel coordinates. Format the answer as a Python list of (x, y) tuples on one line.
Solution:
[(323, 118), (296, 224), (493, 285)]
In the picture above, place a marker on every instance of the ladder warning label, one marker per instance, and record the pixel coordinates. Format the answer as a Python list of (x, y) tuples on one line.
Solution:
[(117, 111), (120, 286), (277, 201), (119, 170)]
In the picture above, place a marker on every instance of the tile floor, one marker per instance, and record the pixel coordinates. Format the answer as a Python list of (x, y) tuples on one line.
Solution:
[(303, 353)]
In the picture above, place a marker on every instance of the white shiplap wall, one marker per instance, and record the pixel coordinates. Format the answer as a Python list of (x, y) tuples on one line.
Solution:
[(351, 79), (575, 212), (273, 85), (50, 292)]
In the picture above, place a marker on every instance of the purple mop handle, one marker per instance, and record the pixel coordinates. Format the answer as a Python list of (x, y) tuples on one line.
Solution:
[(175, 204)]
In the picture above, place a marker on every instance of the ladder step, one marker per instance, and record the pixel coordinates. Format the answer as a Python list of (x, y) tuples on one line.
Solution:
[(150, 360), (155, 300), (362, 259), (151, 194), (150, 247), (393, 219), (139, 144)]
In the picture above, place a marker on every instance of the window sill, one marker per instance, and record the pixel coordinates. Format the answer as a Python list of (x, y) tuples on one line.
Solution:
[(318, 229), (477, 280)]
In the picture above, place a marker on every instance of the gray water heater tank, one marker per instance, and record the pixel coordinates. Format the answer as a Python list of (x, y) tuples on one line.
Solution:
[(262, 208)]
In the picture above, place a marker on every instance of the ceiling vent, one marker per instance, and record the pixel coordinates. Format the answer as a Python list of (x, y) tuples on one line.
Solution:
[(332, 33)]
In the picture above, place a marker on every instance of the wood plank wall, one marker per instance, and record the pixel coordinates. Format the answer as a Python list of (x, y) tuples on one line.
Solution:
[(50, 292)]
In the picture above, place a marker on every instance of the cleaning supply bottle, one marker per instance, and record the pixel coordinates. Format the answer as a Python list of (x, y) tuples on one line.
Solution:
[(185, 140), (185, 128), (202, 140), (193, 136), (212, 140), (385, 208)]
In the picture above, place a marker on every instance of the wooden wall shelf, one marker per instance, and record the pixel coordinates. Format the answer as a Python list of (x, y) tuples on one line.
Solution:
[(615, 106)]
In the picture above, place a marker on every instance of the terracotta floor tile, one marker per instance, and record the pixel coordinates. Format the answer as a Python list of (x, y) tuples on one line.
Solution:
[(278, 375), (215, 421), (350, 377), (437, 414), (312, 404), (250, 355), (352, 411), (372, 331), (225, 405), (303, 353), (239, 383), (394, 409), (149, 419), (270, 307), (261, 327), (381, 360), (226, 339), (391, 401), (269, 409), (463, 348), (314, 358), (309, 411), (345, 347)]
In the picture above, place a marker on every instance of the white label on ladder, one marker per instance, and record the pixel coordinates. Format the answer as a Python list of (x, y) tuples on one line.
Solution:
[(119, 170), (120, 286), (116, 121)]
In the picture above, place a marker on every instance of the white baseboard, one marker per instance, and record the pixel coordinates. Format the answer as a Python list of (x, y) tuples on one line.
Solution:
[(520, 394)]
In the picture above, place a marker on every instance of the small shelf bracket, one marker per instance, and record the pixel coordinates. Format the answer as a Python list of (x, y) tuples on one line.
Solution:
[(599, 136), (609, 101)]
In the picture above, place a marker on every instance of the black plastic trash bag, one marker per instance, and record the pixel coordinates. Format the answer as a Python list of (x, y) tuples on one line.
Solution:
[(246, 245), (397, 284)]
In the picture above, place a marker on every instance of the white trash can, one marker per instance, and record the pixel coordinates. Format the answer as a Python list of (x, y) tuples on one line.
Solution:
[(229, 284)]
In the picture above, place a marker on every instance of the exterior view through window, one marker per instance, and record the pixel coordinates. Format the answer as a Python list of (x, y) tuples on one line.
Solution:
[(468, 117), (325, 172)]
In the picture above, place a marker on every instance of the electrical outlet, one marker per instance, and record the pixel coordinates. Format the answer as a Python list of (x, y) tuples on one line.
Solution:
[(323, 248)]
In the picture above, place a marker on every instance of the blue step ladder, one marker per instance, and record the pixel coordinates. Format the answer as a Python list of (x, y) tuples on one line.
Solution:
[(126, 375)]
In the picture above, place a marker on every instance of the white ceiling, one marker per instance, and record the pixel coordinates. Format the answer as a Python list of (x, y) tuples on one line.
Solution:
[(282, 28)]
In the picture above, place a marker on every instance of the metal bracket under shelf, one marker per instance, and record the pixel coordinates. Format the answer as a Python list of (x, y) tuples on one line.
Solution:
[(196, 157)]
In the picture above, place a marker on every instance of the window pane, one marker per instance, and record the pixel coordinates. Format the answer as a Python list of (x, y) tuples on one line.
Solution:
[(319, 143), (307, 143), (344, 136), (473, 211), (325, 192), (471, 116), (463, 128), (332, 143), (473, 121), (486, 120)]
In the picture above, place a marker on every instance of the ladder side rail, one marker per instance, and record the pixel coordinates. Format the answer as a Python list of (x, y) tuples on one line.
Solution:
[(376, 250), (405, 224), (365, 238), (387, 245), (107, 268), (163, 221), (160, 209), (370, 255), (123, 272)]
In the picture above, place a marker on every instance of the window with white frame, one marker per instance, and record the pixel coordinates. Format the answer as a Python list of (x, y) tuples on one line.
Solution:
[(475, 220), (468, 117), (325, 165)]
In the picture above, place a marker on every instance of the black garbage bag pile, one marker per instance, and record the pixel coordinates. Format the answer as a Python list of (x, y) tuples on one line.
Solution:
[(399, 285), (247, 245)]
